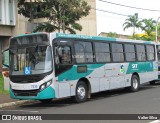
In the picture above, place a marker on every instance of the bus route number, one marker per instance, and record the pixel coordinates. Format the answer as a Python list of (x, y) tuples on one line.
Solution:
[(134, 66)]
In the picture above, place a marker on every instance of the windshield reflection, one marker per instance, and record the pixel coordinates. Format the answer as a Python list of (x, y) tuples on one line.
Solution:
[(36, 59)]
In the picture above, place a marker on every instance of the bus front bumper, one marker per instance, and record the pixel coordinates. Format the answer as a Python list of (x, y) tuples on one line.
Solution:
[(48, 93)]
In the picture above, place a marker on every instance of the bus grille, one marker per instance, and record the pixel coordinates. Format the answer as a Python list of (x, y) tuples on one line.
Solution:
[(25, 92)]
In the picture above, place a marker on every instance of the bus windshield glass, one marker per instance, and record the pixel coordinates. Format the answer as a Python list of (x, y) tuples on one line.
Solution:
[(31, 60), (28, 40)]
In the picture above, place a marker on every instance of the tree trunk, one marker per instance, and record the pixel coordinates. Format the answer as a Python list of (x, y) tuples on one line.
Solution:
[(58, 26), (63, 27), (62, 23), (31, 16), (133, 31)]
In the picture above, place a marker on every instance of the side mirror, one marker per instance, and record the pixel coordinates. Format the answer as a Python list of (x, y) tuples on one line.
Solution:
[(5, 58)]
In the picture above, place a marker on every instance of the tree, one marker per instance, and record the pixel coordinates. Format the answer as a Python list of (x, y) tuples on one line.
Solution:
[(148, 25), (112, 34), (158, 29), (30, 9), (132, 22), (61, 15)]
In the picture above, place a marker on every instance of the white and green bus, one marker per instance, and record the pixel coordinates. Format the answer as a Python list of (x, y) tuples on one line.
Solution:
[(47, 66), (158, 59)]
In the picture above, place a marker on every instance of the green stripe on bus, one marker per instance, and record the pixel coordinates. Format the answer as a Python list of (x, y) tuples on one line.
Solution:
[(139, 67), (61, 35), (72, 74), (47, 93)]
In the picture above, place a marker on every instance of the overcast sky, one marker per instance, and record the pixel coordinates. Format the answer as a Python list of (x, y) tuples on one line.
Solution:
[(107, 22)]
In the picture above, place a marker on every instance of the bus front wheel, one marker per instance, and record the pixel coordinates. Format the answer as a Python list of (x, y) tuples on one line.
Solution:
[(81, 92), (134, 83)]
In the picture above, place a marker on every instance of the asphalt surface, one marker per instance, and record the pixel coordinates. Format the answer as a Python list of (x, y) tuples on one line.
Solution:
[(145, 101)]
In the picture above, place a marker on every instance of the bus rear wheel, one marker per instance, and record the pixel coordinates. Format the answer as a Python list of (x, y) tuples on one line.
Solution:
[(81, 92), (135, 82)]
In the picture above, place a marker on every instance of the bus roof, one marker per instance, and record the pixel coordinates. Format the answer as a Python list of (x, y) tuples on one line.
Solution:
[(29, 34), (62, 35), (100, 38)]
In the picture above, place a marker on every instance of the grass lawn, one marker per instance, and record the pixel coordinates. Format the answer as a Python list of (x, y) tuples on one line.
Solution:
[(2, 91)]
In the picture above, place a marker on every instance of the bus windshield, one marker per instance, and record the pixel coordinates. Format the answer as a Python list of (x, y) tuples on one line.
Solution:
[(31, 60)]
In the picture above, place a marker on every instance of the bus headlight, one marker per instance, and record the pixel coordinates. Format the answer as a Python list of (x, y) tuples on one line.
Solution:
[(42, 87), (45, 85), (48, 83)]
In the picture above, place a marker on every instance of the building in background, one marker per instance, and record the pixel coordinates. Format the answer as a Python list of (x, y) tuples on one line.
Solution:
[(7, 22), (105, 34), (89, 23), (11, 23)]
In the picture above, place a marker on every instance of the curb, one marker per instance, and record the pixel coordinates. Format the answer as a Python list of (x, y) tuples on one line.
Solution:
[(14, 103)]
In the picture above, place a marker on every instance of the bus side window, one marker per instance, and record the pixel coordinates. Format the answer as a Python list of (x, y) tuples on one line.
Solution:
[(57, 55), (63, 55)]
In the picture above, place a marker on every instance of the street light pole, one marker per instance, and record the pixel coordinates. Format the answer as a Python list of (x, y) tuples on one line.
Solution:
[(157, 30)]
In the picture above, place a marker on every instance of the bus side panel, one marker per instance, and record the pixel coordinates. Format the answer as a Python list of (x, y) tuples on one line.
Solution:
[(128, 80), (94, 85), (67, 81), (116, 73), (104, 83), (97, 78), (64, 89), (146, 70)]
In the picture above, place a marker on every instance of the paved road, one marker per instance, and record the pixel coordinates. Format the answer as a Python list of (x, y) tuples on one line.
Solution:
[(145, 101)]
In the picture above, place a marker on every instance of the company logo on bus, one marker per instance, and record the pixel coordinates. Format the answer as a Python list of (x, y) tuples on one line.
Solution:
[(122, 70)]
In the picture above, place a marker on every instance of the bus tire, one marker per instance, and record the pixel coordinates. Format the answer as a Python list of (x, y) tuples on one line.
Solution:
[(135, 82), (81, 92), (45, 101)]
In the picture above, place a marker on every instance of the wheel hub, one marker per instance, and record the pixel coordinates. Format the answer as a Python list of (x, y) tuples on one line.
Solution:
[(135, 83), (81, 92)]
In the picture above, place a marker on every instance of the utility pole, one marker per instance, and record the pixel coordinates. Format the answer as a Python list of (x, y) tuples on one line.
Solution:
[(157, 30), (31, 16)]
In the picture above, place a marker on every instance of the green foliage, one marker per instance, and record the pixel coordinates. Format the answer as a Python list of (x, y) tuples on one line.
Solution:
[(46, 26), (158, 28), (62, 15), (1, 82), (148, 26), (148, 38), (144, 37), (132, 22), (2, 91), (31, 9), (112, 34)]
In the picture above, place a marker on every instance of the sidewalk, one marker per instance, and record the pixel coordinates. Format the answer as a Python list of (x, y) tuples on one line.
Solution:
[(5, 98), (5, 101)]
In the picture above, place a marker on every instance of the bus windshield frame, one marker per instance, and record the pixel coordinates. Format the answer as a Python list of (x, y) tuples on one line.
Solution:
[(31, 60), (22, 47)]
